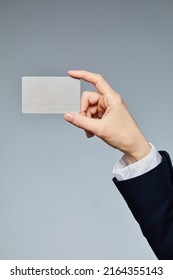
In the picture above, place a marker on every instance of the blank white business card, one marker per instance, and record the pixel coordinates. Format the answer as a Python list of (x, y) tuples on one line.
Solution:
[(50, 95)]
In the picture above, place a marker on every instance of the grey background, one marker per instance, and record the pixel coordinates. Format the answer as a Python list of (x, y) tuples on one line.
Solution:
[(57, 199)]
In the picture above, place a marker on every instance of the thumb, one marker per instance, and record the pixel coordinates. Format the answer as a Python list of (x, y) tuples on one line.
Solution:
[(83, 122)]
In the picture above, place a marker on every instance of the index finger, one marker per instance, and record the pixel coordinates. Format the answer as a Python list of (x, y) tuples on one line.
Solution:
[(96, 79)]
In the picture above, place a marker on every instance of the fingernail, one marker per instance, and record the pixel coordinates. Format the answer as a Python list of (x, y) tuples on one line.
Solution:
[(69, 117)]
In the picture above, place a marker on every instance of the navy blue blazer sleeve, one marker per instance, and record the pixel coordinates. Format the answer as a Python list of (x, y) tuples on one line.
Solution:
[(150, 198)]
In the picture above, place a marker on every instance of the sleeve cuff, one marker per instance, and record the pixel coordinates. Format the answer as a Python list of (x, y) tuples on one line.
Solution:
[(123, 171)]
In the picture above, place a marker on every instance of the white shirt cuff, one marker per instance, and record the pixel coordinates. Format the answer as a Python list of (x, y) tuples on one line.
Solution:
[(123, 170)]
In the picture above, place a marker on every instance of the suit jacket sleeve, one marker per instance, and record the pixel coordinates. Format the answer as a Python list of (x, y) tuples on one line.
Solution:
[(150, 198)]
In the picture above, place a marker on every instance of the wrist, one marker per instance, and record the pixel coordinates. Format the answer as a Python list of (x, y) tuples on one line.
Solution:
[(140, 151)]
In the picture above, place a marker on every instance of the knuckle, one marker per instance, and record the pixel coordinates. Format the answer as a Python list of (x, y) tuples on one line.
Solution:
[(99, 76), (119, 98)]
